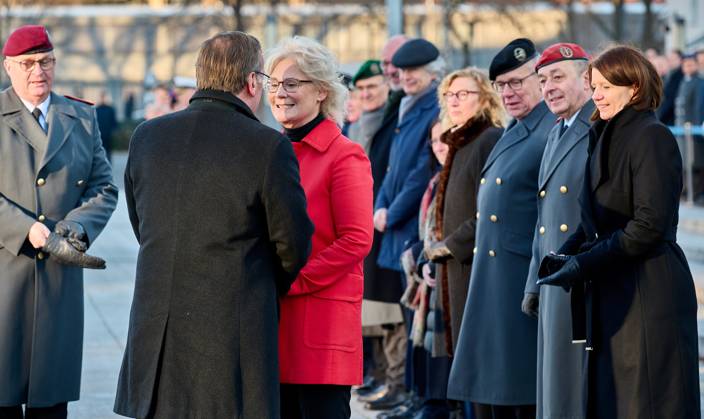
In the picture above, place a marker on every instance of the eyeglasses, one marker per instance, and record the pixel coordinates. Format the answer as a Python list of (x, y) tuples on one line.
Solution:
[(289, 85), (28, 65), (514, 84), (461, 95)]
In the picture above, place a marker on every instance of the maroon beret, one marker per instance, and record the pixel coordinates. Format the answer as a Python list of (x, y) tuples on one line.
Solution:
[(561, 52), (28, 39)]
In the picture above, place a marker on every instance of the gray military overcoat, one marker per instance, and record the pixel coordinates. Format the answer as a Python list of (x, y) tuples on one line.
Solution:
[(495, 357), (64, 176), (560, 361)]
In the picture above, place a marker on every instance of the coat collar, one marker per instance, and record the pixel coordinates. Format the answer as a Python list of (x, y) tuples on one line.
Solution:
[(577, 132), (218, 97), (604, 133), (61, 118), (427, 101), (516, 132), (322, 135)]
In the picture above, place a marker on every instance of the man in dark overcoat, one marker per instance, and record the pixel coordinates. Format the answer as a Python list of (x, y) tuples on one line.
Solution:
[(216, 204), (562, 73), (408, 171), (495, 359), (53, 176), (382, 288)]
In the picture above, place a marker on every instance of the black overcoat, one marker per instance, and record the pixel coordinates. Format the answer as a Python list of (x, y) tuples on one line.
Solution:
[(216, 204), (382, 284), (640, 324), (459, 220)]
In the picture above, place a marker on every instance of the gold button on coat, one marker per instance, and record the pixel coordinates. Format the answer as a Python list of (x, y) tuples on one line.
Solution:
[(492, 253), (563, 228), (541, 230), (477, 215), (80, 182), (494, 218), (40, 255), (498, 181), (542, 194), (41, 217), (474, 250), (40, 181), (482, 181), (563, 189)]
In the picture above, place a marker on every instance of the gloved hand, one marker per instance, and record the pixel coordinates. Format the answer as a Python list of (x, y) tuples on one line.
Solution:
[(74, 233), (530, 303), (437, 251), (64, 252), (550, 264), (559, 270)]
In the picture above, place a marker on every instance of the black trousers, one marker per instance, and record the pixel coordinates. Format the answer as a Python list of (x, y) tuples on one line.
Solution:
[(58, 411), (315, 401), (492, 411)]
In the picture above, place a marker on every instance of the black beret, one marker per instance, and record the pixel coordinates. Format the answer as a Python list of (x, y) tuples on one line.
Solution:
[(415, 53), (512, 56)]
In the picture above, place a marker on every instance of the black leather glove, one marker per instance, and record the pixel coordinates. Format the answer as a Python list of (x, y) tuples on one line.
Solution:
[(437, 251), (64, 252), (559, 270), (74, 233), (530, 304)]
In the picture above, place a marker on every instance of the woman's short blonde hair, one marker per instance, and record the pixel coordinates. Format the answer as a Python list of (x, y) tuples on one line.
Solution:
[(490, 106), (319, 64)]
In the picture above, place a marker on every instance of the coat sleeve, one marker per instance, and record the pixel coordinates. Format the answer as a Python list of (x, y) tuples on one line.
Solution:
[(100, 196), (129, 188), (656, 167), (531, 286), (405, 204), (15, 225), (351, 197), (284, 201)]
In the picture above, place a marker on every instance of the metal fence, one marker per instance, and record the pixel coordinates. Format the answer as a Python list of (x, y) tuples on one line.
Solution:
[(687, 132)]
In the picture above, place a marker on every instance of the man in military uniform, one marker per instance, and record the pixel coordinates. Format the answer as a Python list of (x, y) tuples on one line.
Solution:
[(562, 73), (53, 175), (494, 364)]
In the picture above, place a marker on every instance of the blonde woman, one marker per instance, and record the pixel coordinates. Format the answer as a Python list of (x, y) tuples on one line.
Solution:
[(320, 333), (473, 109)]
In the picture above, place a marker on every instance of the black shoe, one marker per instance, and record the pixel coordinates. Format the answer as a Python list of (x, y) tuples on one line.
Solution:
[(405, 410), (369, 385), (375, 394), (388, 401)]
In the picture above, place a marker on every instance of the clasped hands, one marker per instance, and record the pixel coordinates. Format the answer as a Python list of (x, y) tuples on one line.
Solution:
[(67, 244), (559, 270)]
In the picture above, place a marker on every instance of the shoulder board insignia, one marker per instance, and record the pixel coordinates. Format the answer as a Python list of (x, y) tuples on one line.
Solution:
[(78, 99)]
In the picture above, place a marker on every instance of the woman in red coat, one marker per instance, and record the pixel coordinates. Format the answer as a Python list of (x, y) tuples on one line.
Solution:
[(320, 333)]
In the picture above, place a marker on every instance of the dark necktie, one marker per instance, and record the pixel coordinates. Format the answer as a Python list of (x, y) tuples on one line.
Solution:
[(563, 128), (37, 113)]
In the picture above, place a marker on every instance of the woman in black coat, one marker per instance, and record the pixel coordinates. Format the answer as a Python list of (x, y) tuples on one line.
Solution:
[(473, 109), (633, 295)]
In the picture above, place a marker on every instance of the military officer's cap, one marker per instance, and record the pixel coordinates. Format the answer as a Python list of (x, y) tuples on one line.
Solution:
[(415, 53), (28, 39), (368, 69), (562, 51), (515, 54)]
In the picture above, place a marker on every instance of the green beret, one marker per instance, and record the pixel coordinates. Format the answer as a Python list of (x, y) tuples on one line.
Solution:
[(370, 68)]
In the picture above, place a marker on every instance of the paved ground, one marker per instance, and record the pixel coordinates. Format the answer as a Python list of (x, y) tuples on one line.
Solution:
[(108, 295)]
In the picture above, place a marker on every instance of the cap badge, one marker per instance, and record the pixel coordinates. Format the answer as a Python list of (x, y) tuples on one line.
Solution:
[(566, 52), (374, 68), (520, 54)]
